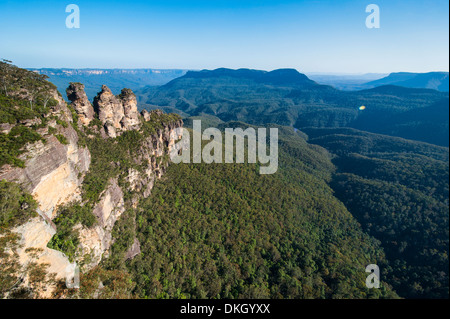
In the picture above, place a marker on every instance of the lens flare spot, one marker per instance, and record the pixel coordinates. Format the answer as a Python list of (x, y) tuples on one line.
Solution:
[(362, 108)]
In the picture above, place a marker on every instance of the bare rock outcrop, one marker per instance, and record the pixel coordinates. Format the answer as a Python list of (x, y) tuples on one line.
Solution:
[(80, 102), (146, 115), (134, 250), (5, 128), (110, 111), (95, 241), (118, 114), (130, 120), (35, 234)]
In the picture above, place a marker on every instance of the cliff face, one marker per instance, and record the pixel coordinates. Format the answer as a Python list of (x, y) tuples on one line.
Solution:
[(50, 165), (55, 169), (95, 241), (53, 174), (153, 147)]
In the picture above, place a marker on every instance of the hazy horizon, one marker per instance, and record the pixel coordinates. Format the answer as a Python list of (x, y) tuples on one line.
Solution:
[(267, 70)]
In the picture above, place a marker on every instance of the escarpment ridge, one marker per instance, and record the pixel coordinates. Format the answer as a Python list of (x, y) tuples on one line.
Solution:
[(60, 166)]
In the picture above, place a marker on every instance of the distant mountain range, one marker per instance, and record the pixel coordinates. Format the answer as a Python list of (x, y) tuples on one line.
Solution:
[(115, 79), (287, 97), (284, 97), (135, 79), (432, 80)]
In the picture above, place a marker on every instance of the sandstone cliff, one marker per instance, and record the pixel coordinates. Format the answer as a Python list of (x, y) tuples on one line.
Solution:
[(55, 170), (138, 183), (53, 174)]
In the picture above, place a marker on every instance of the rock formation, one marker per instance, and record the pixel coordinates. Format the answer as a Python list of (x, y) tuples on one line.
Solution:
[(148, 115), (117, 114), (80, 102), (134, 250), (110, 111), (130, 120), (54, 174)]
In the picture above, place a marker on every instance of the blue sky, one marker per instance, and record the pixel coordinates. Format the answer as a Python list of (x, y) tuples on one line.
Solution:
[(311, 36)]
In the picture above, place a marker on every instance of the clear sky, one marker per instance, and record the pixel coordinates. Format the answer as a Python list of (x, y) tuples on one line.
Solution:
[(311, 36)]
